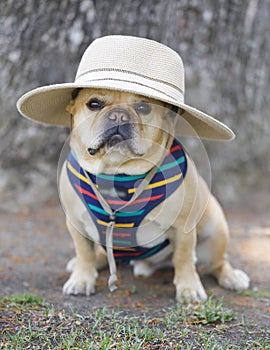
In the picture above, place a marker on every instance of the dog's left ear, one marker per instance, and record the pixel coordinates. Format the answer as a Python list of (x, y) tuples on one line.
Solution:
[(174, 110)]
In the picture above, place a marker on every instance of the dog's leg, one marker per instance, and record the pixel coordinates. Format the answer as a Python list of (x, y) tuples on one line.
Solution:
[(186, 279), (83, 277), (212, 246), (100, 259)]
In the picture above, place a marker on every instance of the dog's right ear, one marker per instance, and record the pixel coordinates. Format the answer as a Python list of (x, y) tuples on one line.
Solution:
[(71, 110), (71, 122), (71, 106), (75, 93)]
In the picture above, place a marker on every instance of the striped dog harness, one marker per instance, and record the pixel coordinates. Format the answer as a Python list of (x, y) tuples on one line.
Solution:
[(117, 190)]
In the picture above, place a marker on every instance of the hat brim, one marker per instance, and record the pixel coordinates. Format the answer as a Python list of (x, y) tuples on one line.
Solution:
[(48, 104)]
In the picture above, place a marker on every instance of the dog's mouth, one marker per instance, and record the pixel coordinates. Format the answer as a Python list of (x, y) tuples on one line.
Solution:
[(115, 139), (118, 138)]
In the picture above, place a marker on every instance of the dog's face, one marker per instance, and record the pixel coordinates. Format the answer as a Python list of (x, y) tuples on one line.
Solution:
[(118, 129)]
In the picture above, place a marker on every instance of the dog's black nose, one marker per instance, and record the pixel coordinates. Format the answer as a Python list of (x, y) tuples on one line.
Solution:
[(119, 116)]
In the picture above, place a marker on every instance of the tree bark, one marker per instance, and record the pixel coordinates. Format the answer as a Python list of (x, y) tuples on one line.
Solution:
[(225, 47)]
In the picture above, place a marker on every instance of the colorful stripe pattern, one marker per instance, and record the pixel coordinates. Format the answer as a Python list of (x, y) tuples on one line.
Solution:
[(118, 189)]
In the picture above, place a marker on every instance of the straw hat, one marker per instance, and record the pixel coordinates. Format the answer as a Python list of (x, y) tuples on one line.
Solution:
[(129, 64)]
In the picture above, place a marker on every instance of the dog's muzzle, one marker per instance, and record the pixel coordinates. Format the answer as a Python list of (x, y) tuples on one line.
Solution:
[(118, 128)]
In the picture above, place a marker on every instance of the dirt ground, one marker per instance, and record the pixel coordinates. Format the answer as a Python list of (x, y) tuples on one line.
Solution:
[(35, 248)]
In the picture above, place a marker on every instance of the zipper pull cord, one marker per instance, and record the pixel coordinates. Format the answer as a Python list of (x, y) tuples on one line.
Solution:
[(111, 260)]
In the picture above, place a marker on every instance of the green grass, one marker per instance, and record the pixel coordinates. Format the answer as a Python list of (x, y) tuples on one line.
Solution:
[(22, 300), (28, 322), (255, 293), (208, 312)]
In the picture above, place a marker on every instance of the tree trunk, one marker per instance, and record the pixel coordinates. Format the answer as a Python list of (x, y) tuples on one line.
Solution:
[(225, 47)]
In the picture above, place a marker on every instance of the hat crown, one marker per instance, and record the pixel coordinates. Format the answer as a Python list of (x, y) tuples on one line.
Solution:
[(132, 55)]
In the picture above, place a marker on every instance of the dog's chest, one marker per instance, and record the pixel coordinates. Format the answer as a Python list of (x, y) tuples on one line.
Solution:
[(137, 226)]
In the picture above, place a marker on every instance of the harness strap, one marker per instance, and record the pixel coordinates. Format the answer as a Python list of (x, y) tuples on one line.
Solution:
[(112, 214)]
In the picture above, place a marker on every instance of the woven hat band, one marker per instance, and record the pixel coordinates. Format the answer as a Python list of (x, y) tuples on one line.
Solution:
[(130, 81)]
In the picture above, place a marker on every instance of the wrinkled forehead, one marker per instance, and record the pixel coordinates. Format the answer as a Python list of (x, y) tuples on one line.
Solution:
[(112, 96)]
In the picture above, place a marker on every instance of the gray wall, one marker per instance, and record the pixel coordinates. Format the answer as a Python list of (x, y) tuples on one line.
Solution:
[(225, 46)]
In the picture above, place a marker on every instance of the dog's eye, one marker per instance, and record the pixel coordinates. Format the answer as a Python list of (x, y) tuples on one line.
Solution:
[(143, 108), (95, 104)]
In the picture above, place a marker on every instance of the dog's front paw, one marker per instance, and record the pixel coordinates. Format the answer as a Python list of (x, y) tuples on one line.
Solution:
[(234, 279), (189, 290), (81, 281)]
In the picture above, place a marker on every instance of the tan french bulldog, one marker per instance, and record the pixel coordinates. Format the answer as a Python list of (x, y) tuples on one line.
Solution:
[(124, 133)]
